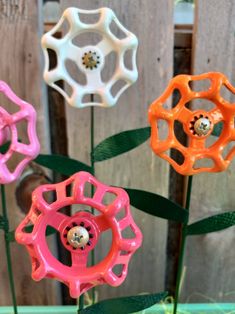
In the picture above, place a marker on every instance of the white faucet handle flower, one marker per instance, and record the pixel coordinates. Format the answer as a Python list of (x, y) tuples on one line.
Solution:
[(90, 59)]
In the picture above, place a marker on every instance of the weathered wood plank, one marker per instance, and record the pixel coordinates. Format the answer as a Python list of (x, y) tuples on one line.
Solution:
[(20, 27), (152, 22), (182, 65), (210, 258)]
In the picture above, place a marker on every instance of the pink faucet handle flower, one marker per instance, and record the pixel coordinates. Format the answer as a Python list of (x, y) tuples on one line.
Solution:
[(9, 132), (80, 233)]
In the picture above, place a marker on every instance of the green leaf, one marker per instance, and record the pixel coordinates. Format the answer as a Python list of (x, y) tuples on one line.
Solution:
[(4, 148), (11, 235), (124, 305), (217, 129), (157, 205), (212, 224), (120, 143), (61, 164)]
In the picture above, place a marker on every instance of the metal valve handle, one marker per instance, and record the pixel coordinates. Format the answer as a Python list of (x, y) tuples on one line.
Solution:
[(9, 132), (90, 59), (80, 233), (197, 124)]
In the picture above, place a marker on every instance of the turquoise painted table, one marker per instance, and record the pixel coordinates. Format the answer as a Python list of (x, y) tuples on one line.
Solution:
[(220, 308)]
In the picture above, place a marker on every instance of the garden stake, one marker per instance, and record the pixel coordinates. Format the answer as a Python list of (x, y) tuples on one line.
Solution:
[(7, 249), (182, 245), (9, 134), (91, 60), (198, 124)]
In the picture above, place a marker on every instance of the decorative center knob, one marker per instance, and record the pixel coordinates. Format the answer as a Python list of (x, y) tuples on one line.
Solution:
[(90, 60), (202, 126), (78, 237)]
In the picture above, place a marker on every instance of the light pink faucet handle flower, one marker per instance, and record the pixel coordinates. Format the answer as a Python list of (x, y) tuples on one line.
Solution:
[(9, 132), (80, 233)]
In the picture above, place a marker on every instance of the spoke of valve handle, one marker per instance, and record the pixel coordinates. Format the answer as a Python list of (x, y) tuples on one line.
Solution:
[(182, 246)]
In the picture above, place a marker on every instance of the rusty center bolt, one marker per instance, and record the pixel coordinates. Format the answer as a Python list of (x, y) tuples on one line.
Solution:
[(90, 60), (202, 126), (78, 237)]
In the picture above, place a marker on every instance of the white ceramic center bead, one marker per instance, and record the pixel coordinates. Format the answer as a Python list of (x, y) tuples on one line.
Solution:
[(78, 237), (67, 48)]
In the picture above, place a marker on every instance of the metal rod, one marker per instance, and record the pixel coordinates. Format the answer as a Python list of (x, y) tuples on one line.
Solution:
[(92, 186), (81, 303), (8, 250), (81, 298), (182, 245)]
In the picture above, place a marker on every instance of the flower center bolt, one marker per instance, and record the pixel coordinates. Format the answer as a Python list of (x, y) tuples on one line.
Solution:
[(78, 237), (202, 126), (90, 60)]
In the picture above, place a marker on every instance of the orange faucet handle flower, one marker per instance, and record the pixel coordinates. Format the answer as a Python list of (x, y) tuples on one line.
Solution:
[(196, 123)]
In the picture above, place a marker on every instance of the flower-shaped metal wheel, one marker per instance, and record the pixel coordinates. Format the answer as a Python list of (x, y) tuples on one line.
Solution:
[(80, 234), (197, 124), (90, 59), (9, 132)]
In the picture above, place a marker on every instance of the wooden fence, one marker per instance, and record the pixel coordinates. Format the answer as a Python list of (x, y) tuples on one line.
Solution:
[(209, 264)]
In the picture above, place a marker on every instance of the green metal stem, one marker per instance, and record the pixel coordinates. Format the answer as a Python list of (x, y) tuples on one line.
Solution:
[(81, 303), (92, 186), (8, 250), (182, 245), (81, 299)]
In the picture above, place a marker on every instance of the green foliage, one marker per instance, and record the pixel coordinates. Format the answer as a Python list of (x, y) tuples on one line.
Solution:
[(4, 148), (157, 205), (184, 1), (120, 143), (124, 305), (217, 129), (212, 224), (62, 164)]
